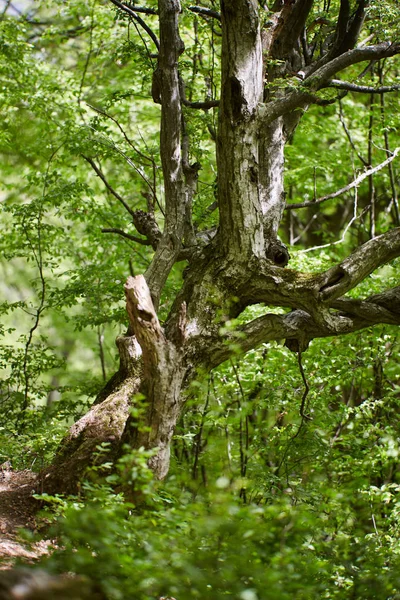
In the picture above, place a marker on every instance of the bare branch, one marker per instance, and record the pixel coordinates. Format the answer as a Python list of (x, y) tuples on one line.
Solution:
[(127, 9), (349, 137), (201, 105), (144, 222), (363, 89), (108, 186), (346, 188), (127, 139), (205, 12), (128, 236), (142, 9)]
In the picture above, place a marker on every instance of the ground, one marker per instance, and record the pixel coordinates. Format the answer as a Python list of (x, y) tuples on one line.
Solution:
[(17, 510)]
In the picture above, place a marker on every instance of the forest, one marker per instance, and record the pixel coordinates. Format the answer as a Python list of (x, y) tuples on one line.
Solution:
[(200, 300)]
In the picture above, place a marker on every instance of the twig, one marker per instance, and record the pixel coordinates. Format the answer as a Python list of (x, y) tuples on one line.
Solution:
[(349, 224), (128, 140), (306, 388), (371, 186), (126, 8), (88, 57), (100, 339), (363, 89), (198, 445), (39, 262), (348, 187), (3, 13), (387, 150), (348, 135), (108, 186), (244, 451)]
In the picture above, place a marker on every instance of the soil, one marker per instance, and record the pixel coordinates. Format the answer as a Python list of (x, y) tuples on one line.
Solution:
[(17, 511)]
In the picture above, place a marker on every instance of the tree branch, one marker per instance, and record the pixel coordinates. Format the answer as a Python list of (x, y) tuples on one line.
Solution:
[(362, 262), (128, 236), (380, 308), (349, 137), (144, 222), (346, 188), (205, 12), (108, 186), (289, 25), (201, 105), (299, 328), (363, 89), (348, 27), (166, 89), (318, 79), (142, 9), (127, 9)]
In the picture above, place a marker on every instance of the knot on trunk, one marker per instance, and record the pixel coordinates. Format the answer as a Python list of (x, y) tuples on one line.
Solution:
[(146, 224), (278, 253)]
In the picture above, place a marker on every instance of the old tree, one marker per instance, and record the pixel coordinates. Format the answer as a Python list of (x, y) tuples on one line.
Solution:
[(272, 70), (274, 61)]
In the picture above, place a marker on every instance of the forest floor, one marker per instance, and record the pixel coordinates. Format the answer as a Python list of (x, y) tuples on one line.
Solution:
[(17, 511)]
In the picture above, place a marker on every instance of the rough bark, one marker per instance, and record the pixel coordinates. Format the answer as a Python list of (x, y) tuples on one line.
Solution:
[(241, 223)]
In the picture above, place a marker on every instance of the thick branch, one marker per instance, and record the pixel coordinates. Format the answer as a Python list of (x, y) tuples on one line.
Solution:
[(290, 24), (205, 12), (167, 83), (379, 308), (300, 328), (346, 188), (206, 105), (322, 75), (262, 282), (348, 27), (320, 79), (367, 258)]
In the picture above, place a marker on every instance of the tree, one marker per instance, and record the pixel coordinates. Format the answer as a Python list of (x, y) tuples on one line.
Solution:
[(276, 61)]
